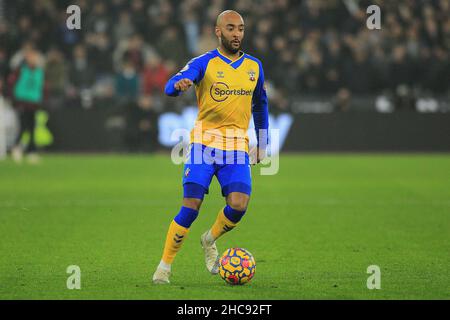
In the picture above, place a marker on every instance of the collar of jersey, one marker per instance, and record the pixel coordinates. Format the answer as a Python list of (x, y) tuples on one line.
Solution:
[(234, 64)]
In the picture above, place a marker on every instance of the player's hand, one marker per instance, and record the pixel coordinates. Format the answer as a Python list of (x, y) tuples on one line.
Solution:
[(183, 84), (256, 155)]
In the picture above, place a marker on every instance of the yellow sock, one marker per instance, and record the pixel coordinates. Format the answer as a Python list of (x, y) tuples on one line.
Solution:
[(175, 238), (221, 226)]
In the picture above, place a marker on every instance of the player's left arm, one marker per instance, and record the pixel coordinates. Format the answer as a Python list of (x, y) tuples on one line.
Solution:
[(192, 73), (260, 110)]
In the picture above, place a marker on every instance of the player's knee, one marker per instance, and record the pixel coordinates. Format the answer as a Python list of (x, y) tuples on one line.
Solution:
[(238, 206), (238, 201), (192, 203)]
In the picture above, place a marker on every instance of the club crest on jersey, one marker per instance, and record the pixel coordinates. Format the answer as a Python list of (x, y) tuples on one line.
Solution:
[(220, 74), (251, 75)]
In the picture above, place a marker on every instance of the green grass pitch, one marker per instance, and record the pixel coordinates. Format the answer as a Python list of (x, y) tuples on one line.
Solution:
[(313, 228)]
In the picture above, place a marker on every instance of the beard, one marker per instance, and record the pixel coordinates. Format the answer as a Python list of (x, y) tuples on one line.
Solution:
[(229, 45)]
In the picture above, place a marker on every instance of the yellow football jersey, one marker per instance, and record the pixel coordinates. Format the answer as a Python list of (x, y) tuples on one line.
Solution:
[(228, 92)]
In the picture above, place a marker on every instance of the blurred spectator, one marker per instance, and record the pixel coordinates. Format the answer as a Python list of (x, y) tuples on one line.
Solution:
[(18, 57), (81, 75), (125, 28), (207, 40), (27, 92), (138, 13), (127, 82), (399, 70), (99, 50), (133, 48), (403, 98), (333, 65), (135, 52), (358, 73), (56, 77), (342, 100), (99, 18), (155, 76), (171, 47), (191, 30)]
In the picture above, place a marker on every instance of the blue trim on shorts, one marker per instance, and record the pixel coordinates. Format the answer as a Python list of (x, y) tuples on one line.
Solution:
[(194, 190), (236, 187)]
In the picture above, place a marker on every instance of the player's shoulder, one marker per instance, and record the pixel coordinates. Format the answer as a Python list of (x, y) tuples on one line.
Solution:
[(203, 59), (253, 58)]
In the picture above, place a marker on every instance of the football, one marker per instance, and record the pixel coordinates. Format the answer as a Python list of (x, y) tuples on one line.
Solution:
[(237, 266)]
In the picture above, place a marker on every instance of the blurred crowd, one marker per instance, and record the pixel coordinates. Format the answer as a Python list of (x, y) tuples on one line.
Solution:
[(127, 49)]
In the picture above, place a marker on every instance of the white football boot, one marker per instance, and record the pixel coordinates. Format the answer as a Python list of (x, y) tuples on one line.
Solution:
[(161, 276), (211, 254), (17, 154)]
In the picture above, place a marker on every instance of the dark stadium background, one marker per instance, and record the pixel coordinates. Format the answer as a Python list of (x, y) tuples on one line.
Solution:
[(364, 172), (344, 87)]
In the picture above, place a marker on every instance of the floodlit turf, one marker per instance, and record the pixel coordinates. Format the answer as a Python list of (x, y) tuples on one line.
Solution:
[(313, 228)]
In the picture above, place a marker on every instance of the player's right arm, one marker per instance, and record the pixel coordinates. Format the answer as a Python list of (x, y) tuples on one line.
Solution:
[(191, 74)]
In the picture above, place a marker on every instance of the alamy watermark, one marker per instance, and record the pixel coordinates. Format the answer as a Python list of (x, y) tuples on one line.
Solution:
[(73, 22), (374, 280), (74, 280), (215, 147), (373, 22)]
